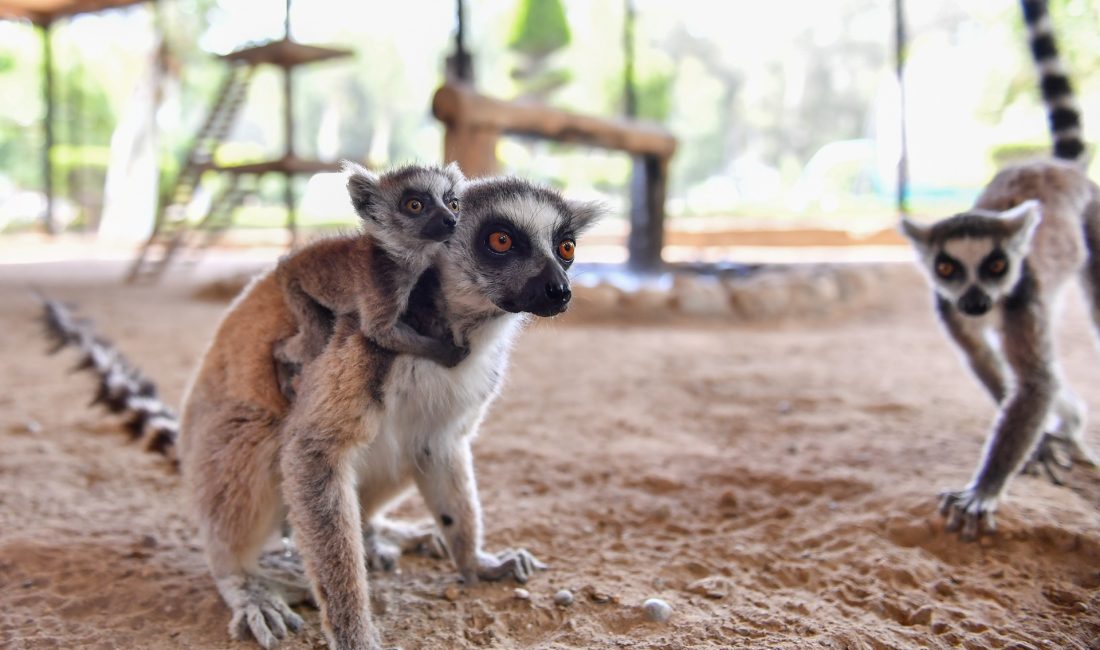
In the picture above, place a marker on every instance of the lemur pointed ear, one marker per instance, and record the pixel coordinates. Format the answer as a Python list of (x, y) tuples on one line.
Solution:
[(584, 214), (362, 188), (917, 233), (1020, 222), (454, 171)]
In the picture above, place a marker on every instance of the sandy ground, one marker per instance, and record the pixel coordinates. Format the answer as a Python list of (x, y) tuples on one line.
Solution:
[(775, 484)]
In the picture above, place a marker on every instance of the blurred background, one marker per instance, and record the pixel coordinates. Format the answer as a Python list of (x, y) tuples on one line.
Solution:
[(786, 113)]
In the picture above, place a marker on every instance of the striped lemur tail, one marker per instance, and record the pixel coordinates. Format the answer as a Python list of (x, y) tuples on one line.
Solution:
[(1062, 110), (123, 389)]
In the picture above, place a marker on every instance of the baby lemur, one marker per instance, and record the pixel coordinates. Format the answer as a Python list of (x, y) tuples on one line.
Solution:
[(367, 424), (998, 271), (408, 214)]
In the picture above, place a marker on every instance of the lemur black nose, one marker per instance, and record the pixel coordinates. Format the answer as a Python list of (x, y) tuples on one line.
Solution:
[(975, 302), (558, 292), (450, 223)]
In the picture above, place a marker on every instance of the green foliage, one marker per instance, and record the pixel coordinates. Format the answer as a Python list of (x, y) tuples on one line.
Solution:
[(654, 96), (540, 28)]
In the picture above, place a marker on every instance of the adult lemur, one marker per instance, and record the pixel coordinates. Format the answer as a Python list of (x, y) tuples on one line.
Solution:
[(367, 424), (998, 271)]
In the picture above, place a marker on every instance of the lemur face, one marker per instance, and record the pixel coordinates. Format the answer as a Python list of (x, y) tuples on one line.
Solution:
[(515, 243), (975, 259), (409, 208)]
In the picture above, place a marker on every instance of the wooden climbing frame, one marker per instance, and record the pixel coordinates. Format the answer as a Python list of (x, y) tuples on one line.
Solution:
[(474, 123)]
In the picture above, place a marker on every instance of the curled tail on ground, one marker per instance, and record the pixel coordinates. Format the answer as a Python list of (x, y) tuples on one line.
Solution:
[(123, 389), (1062, 110)]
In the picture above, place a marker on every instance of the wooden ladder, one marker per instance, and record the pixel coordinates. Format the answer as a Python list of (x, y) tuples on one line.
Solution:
[(171, 229)]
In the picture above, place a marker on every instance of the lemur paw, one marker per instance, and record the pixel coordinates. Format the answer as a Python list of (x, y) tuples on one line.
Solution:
[(1055, 454), (386, 541), (1049, 458), (968, 513), (518, 563), (260, 611), (454, 355)]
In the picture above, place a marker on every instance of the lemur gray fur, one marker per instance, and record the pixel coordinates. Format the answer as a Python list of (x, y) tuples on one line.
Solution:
[(407, 216), (998, 271), (367, 424)]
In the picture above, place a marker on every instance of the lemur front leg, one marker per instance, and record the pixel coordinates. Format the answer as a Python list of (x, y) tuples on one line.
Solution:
[(325, 429), (445, 478), (320, 494), (1029, 351), (971, 337), (382, 324), (403, 339)]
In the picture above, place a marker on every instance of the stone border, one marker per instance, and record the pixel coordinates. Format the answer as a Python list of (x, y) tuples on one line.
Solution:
[(767, 293)]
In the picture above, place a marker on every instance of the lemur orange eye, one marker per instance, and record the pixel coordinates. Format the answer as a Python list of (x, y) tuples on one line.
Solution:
[(453, 205), (500, 242), (566, 249), (945, 269), (414, 206), (998, 266)]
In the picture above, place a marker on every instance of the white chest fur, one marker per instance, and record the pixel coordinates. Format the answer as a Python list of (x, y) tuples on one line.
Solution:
[(428, 406)]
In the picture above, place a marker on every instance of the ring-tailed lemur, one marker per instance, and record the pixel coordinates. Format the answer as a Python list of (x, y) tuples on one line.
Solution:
[(998, 271), (367, 424), (407, 215)]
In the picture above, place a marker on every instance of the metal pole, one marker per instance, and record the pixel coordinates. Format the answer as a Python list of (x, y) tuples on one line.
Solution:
[(47, 91), (900, 53), (288, 134)]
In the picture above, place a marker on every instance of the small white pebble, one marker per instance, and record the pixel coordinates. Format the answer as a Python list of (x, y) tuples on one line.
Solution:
[(657, 610), (521, 594), (564, 598)]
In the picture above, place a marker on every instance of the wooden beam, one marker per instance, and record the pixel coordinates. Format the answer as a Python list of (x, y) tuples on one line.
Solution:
[(461, 107)]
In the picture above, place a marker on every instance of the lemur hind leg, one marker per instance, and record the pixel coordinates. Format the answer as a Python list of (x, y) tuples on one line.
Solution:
[(240, 509), (1029, 352)]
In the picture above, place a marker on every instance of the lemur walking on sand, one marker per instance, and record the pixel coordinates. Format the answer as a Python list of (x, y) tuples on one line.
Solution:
[(999, 270), (407, 215), (367, 424)]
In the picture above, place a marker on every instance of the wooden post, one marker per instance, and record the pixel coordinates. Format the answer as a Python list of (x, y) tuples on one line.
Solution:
[(473, 148), (647, 213), (475, 122)]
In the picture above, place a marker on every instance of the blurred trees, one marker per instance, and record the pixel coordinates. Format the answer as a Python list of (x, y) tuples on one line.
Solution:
[(540, 30), (770, 101)]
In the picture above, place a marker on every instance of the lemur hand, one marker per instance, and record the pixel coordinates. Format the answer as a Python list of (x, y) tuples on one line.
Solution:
[(968, 512), (454, 354), (518, 563)]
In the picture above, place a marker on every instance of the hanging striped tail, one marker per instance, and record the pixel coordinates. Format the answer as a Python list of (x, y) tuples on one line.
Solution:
[(1062, 110), (123, 389)]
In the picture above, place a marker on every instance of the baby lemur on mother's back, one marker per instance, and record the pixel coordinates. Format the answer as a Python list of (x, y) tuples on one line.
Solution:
[(408, 214)]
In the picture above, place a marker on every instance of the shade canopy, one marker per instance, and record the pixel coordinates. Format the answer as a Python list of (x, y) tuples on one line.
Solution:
[(44, 11)]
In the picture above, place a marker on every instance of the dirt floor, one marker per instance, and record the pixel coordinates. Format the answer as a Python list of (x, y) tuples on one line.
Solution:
[(774, 484)]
